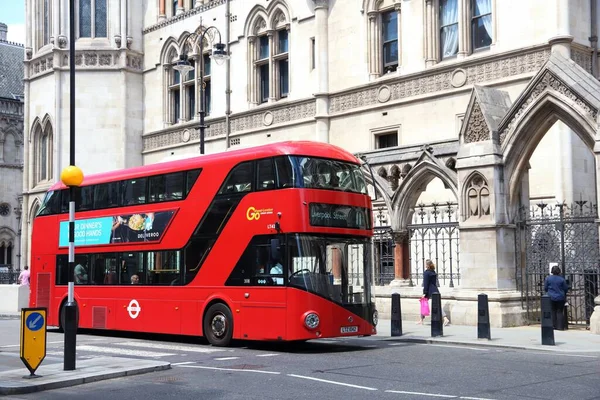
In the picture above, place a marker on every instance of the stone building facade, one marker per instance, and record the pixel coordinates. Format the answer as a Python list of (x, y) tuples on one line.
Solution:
[(465, 112), (11, 151)]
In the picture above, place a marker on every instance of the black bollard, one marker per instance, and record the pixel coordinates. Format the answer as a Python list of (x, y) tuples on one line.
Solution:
[(483, 317), (437, 326), (547, 326), (396, 315)]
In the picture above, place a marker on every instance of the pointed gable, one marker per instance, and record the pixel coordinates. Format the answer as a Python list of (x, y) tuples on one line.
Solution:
[(486, 109)]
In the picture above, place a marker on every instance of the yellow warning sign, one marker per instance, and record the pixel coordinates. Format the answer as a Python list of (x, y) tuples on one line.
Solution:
[(33, 337)]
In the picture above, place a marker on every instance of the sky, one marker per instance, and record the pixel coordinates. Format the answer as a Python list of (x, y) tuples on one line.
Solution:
[(12, 13)]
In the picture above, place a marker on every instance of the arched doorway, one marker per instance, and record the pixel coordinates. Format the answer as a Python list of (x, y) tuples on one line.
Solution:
[(552, 199)]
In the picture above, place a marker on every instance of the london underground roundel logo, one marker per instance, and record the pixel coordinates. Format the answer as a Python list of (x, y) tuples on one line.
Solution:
[(134, 309)]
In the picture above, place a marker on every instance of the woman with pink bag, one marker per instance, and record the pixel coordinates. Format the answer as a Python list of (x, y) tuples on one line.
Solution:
[(429, 288)]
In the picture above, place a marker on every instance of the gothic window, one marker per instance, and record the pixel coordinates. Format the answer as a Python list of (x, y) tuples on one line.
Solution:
[(174, 7), (92, 19), (269, 47), (6, 253), (44, 21), (481, 23), (390, 40), (43, 153), (478, 197), (384, 44), (175, 95), (448, 28)]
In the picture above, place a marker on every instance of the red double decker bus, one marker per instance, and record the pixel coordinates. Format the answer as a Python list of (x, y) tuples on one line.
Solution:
[(263, 243)]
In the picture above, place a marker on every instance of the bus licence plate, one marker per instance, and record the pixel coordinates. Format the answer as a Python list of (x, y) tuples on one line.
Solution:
[(349, 329)]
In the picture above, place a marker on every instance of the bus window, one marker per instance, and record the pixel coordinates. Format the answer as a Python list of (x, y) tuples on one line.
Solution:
[(191, 178), (134, 191), (266, 174), (256, 266), (239, 179), (195, 253), (51, 203), (86, 198), (320, 173), (164, 267), (166, 187), (131, 264), (285, 172), (106, 195)]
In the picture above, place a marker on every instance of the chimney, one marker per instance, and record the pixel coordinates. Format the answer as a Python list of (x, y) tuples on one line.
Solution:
[(3, 31)]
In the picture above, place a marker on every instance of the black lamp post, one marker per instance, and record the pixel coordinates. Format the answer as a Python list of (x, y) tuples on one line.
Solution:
[(219, 54)]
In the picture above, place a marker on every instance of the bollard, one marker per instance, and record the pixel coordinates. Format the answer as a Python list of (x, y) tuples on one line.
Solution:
[(483, 317), (547, 326), (396, 315), (437, 326)]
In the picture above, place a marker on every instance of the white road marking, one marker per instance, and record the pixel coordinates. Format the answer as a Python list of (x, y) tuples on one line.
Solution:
[(228, 369), (124, 352), (56, 342), (184, 363), (267, 355), (173, 347), (474, 398), (332, 382), (459, 347), (422, 394), (225, 358)]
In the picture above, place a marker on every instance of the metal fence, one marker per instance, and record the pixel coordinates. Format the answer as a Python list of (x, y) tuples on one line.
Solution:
[(434, 235), (8, 276), (383, 250), (562, 235)]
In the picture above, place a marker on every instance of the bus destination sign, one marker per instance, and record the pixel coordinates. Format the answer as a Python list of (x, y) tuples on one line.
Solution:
[(339, 216), (130, 228)]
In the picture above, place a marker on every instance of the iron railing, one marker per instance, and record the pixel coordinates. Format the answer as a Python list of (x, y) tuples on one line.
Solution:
[(383, 251), (8, 276)]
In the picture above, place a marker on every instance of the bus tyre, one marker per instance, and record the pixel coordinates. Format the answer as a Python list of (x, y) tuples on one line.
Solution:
[(218, 325)]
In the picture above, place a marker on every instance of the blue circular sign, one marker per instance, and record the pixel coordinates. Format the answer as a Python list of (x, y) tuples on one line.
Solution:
[(34, 321)]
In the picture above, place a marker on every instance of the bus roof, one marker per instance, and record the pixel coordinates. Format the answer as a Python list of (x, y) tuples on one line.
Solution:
[(301, 148)]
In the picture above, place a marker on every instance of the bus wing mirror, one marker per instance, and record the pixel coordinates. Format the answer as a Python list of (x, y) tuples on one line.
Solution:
[(275, 249)]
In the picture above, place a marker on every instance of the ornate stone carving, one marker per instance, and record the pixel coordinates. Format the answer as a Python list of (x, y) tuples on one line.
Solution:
[(62, 41), (129, 42), (321, 3), (134, 62), (583, 58), (432, 82), (28, 52), (478, 197), (78, 59), (200, 8), (384, 94), (459, 78), (548, 82), (90, 58), (118, 41), (268, 118), (477, 128), (186, 136), (256, 120), (105, 59)]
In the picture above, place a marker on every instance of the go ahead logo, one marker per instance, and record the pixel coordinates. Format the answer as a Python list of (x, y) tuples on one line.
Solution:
[(253, 213)]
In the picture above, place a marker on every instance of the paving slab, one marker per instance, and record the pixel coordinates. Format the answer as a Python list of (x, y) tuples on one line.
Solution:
[(52, 375), (573, 340)]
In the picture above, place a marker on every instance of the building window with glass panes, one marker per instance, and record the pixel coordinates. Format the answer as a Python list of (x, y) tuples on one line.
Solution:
[(389, 24), (481, 24), (93, 19)]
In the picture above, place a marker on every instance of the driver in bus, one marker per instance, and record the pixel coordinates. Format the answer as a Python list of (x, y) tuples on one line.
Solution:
[(277, 269)]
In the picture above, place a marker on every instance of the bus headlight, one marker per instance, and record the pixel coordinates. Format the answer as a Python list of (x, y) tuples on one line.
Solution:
[(375, 317), (311, 320)]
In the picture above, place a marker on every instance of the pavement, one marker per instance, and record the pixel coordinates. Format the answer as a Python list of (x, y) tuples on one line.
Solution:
[(14, 377), (574, 340)]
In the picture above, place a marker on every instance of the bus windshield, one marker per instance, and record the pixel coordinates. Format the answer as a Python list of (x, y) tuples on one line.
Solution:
[(321, 173), (337, 268)]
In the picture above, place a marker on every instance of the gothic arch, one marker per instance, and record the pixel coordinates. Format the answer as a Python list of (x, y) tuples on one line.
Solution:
[(35, 206), (170, 47), (42, 124), (267, 15), (380, 186), (370, 5), (528, 131), (414, 183), (7, 235)]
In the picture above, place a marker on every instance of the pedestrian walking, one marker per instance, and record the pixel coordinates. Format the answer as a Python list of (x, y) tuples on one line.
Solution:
[(430, 287), (556, 287), (24, 276)]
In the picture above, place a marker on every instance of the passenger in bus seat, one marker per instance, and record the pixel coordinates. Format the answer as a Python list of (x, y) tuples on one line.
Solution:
[(80, 273), (135, 280)]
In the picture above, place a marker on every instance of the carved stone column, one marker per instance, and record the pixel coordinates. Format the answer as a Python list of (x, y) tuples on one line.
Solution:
[(2, 150), (55, 23), (322, 64), (401, 259), (430, 33), (464, 21), (398, 8), (28, 32), (161, 11), (272, 67), (374, 43), (252, 78)]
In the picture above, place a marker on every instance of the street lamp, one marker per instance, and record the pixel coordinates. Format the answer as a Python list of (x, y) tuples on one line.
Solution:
[(183, 66)]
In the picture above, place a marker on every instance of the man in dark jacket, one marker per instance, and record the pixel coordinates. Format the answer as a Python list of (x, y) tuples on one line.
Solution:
[(557, 288)]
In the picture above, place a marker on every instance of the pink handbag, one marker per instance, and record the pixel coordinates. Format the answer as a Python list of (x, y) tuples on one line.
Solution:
[(424, 306)]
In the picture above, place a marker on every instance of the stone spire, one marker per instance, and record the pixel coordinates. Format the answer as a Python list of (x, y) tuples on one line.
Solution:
[(3, 31)]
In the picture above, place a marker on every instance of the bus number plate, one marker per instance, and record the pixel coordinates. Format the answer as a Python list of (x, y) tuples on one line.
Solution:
[(349, 329)]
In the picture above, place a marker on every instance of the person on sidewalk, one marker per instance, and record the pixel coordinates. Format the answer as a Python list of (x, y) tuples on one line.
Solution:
[(556, 287), (24, 276), (430, 287)]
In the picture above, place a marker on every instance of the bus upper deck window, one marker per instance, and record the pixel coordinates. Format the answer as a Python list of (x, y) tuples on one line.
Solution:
[(285, 172)]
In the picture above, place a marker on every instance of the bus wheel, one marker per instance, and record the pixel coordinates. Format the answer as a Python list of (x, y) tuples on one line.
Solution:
[(218, 325)]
